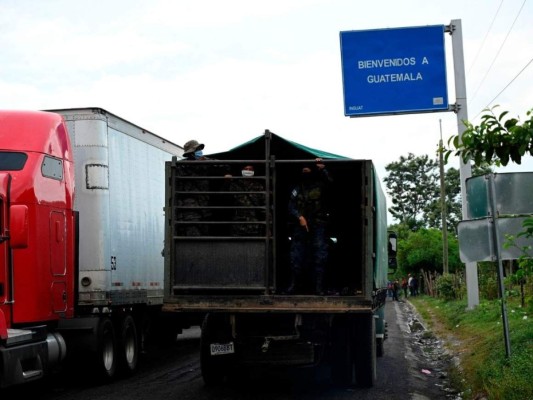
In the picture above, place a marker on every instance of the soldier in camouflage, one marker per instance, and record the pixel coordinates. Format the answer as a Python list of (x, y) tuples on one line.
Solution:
[(193, 203), (193, 151), (309, 212), (249, 195)]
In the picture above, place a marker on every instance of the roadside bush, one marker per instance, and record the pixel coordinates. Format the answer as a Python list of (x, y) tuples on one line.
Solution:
[(488, 280), (446, 287)]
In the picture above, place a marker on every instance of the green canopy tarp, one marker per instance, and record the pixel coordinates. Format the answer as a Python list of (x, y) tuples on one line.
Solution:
[(282, 149)]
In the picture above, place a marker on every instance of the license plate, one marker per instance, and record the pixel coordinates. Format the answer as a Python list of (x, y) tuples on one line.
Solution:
[(222, 348)]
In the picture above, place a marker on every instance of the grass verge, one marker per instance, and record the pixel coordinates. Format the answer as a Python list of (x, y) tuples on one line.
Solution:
[(476, 337)]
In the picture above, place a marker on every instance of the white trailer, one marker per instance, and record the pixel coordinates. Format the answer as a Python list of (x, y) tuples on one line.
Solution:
[(119, 198), (119, 177)]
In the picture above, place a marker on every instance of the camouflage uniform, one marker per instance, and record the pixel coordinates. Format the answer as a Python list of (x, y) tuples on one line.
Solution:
[(309, 248), (250, 200), (200, 201)]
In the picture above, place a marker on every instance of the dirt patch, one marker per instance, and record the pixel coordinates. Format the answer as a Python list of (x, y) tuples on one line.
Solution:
[(436, 349), (453, 344)]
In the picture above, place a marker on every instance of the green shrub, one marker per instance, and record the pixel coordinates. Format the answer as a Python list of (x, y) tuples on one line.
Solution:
[(446, 287)]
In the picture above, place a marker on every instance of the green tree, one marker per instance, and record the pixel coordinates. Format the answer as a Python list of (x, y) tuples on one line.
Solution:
[(423, 250), (411, 185), (454, 214)]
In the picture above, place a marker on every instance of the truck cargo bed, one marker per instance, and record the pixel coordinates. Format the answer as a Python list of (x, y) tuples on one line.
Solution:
[(210, 268)]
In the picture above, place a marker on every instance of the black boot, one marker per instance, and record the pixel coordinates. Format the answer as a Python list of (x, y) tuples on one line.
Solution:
[(319, 289), (293, 287)]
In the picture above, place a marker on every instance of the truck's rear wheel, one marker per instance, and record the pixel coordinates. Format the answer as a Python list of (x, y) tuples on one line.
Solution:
[(215, 368), (342, 364), (365, 350), (379, 347), (381, 327), (105, 359), (129, 345)]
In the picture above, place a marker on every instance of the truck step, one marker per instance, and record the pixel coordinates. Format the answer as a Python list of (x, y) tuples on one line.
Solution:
[(32, 374)]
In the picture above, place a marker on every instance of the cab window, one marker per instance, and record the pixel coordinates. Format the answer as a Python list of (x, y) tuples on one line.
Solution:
[(12, 161)]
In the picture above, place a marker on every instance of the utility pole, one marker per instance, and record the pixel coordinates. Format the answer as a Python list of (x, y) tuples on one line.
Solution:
[(445, 269)]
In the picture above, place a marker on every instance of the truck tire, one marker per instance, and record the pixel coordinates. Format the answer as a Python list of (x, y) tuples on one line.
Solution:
[(128, 347), (215, 369), (379, 347), (381, 327), (342, 361), (105, 358), (365, 351)]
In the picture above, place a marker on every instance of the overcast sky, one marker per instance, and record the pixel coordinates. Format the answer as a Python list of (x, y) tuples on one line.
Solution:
[(222, 72)]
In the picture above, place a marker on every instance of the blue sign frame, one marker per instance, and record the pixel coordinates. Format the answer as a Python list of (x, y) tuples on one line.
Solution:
[(394, 71)]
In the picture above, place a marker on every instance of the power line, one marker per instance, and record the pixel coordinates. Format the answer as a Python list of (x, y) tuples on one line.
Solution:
[(499, 50), (485, 38), (506, 86)]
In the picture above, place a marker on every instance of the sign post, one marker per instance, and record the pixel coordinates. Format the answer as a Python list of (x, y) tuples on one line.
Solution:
[(498, 204), (401, 71)]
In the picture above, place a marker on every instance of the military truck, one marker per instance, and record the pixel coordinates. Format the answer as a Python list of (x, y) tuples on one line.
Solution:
[(239, 281)]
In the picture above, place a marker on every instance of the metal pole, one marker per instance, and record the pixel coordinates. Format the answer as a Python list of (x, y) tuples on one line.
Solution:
[(496, 244), (465, 170), (443, 208)]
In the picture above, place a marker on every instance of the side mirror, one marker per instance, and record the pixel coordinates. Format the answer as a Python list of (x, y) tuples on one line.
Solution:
[(392, 250), (18, 226)]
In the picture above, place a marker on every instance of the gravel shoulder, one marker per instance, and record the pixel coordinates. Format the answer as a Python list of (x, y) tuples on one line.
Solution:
[(436, 350)]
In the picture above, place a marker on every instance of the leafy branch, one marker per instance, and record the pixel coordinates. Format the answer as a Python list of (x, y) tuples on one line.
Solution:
[(495, 141)]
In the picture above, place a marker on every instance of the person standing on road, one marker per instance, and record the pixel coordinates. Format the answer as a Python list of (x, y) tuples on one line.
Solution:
[(395, 290), (414, 282), (404, 287), (309, 217), (410, 284)]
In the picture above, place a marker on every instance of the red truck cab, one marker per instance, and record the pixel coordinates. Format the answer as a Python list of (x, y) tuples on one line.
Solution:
[(37, 236)]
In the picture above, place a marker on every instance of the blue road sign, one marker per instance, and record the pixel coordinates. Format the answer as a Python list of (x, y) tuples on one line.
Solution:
[(394, 71)]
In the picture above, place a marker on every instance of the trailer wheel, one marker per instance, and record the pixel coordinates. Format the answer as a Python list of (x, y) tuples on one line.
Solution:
[(105, 359), (365, 351), (129, 345), (342, 364), (215, 369)]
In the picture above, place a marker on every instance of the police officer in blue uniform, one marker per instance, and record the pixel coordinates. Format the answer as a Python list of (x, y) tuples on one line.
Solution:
[(309, 215)]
